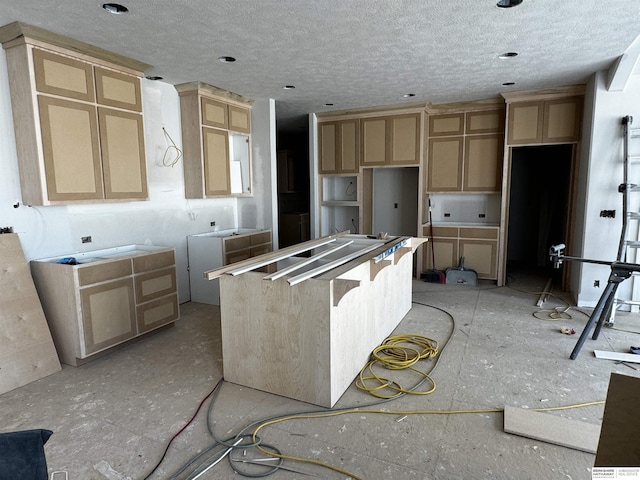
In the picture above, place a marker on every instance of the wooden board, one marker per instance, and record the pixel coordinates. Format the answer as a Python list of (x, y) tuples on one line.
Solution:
[(552, 429), (27, 352), (619, 445), (620, 357)]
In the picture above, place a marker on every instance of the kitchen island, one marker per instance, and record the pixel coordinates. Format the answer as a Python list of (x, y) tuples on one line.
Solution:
[(306, 330)]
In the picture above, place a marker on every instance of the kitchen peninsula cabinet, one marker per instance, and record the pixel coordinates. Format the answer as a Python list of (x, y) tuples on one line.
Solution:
[(216, 128), (103, 298), (392, 140), (77, 117)]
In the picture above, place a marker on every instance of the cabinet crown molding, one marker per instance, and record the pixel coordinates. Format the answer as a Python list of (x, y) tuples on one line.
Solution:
[(17, 33), (544, 94), (463, 107), (211, 91)]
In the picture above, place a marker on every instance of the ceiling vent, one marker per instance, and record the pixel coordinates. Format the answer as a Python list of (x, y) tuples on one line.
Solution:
[(508, 3)]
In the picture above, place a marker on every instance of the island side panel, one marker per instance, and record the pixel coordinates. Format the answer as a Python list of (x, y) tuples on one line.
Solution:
[(365, 316), (275, 337)]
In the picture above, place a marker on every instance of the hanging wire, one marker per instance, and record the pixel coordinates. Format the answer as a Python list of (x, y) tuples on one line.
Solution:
[(172, 149)]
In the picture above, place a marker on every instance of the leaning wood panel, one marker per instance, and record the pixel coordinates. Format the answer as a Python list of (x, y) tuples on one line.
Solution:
[(27, 352)]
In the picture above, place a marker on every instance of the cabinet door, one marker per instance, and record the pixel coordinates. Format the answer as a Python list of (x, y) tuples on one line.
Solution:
[(216, 162), (123, 157), (446, 125), (214, 113), (480, 255), (490, 121), (405, 139), (445, 164), (116, 89), (374, 141), (348, 146), (445, 253), (70, 148), (239, 119), (525, 123), (108, 314), (64, 76), (482, 163), (562, 120), (328, 147)]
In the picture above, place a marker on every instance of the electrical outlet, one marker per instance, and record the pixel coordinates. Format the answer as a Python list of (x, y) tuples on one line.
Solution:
[(447, 215), (395, 205), (213, 224), (481, 215), (86, 239), (6, 229), (608, 213), (596, 283)]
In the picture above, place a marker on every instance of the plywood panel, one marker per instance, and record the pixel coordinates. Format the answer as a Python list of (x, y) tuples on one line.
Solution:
[(552, 429), (27, 352)]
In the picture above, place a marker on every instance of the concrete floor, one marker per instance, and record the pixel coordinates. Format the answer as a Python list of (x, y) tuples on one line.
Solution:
[(112, 418)]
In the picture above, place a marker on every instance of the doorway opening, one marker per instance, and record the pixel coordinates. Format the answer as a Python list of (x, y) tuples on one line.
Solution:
[(395, 200), (539, 215)]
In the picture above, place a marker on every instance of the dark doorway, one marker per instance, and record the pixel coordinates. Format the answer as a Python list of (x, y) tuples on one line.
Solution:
[(538, 208)]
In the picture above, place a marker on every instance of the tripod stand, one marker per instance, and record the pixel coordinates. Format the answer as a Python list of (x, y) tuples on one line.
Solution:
[(620, 271)]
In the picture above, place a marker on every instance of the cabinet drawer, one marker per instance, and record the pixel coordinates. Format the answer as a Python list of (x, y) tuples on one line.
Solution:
[(441, 231), (260, 238), (153, 261), (157, 312), (262, 249), (239, 242), (118, 90), (237, 256), (470, 232), (155, 284), (441, 125), (485, 122), (90, 274), (59, 75)]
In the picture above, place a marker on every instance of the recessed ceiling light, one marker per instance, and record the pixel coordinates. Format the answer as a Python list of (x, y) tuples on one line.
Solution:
[(507, 84), (409, 95), (508, 3), (328, 104), (226, 59), (508, 55), (115, 8), (288, 87), (153, 77)]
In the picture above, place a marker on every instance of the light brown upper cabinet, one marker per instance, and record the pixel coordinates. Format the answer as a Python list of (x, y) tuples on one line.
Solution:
[(465, 151), (71, 147), (545, 121), (216, 128), (393, 140), (339, 146)]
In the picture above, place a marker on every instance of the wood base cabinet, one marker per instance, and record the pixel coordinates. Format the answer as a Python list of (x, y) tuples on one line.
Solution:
[(477, 244), (103, 298)]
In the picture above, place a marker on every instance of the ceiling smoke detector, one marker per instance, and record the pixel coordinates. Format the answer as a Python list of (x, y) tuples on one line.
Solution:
[(508, 3), (115, 8)]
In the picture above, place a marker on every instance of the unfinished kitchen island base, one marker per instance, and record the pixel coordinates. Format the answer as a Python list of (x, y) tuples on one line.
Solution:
[(308, 340)]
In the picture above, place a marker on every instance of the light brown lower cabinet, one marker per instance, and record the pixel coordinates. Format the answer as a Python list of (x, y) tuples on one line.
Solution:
[(477, 244), (107, 298)]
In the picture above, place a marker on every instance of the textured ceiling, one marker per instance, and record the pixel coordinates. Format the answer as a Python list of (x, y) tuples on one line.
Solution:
[(351, 53)]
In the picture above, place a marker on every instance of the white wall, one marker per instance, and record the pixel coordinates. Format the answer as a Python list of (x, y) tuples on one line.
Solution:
[(165, 219), (601, 172)]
